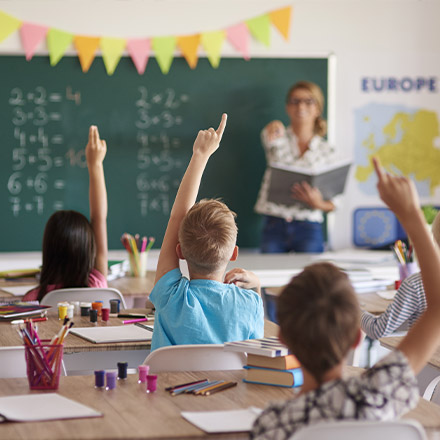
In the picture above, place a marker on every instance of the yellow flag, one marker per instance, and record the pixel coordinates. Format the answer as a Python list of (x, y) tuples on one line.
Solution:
[(164, 51), (8, 24), (86, 48), (189, 46), (260, 28), (213, 42), (58, 41), (281, 20), (112, 49)]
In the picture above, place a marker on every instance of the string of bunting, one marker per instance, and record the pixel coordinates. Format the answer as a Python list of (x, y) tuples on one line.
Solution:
[(139, 49)]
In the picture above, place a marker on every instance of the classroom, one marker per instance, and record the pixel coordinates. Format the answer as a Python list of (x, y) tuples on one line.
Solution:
[(377, 66)]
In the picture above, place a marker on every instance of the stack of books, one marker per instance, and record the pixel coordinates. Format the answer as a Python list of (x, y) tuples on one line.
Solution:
[(268, 362)]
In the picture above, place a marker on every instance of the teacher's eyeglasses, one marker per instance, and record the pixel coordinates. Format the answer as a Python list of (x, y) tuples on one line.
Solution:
[(298, 101)]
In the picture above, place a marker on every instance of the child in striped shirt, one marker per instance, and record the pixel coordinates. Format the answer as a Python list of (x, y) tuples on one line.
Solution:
[(407, 306)]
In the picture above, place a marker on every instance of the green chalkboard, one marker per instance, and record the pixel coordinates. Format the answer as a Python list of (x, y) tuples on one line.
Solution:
[(149, 123)]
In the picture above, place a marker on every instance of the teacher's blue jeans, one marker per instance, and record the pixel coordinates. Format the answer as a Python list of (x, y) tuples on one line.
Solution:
[(280, 236)]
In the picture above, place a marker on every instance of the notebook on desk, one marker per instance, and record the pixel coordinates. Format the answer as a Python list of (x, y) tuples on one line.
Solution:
[(119, 333)]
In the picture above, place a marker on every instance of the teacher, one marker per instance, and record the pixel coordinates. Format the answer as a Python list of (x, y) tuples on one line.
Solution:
[(298, 227)]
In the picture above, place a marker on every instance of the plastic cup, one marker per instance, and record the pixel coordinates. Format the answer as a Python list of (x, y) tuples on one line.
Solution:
[(405, 270), (43, 365)]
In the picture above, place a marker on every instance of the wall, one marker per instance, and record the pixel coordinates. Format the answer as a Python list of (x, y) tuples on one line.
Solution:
[(389, 35)]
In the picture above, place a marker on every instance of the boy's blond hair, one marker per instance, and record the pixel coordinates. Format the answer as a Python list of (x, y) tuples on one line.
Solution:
[(319, 317), (208, 235)]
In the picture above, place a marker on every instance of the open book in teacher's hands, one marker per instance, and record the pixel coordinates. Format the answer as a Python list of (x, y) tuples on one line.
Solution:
[(329, 179)]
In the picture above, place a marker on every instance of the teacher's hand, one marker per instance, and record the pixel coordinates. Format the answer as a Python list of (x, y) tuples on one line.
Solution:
[(311, 196), (275, 130)]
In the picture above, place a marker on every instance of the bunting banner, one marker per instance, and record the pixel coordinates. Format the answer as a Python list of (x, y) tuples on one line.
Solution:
[(139, 49)]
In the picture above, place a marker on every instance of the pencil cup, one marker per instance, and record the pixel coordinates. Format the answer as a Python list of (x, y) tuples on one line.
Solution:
[(138, 264), (405, 270), (43, 365)]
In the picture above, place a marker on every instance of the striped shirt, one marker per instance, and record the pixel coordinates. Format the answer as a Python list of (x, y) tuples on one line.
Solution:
[(408, 304)]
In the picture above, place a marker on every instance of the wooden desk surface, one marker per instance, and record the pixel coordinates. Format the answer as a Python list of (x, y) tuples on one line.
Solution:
[(371, 301), (73, 344), (393, 341), (129, 412)]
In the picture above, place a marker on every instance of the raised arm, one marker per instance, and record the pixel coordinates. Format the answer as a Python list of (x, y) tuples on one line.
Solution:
[(205, 145), (400, 195), (95, 153)]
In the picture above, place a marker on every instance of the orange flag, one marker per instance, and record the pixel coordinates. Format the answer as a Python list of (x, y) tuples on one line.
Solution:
[(281, 20), (189, 46), (86, 48)]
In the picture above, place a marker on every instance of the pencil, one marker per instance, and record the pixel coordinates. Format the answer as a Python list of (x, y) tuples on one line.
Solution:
[(221, 387)]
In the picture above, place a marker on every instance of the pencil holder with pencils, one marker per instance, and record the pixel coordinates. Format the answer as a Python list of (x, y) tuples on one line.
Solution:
[(43, 365), (405, 259), (137, 249)]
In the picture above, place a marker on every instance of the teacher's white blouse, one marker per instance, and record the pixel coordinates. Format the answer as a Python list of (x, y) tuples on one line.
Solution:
[(285, 150)]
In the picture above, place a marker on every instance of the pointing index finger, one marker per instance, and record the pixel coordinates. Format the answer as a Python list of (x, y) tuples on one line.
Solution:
[(222, 126), (378, 168)]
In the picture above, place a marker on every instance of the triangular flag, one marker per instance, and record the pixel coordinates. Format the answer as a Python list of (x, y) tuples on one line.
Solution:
[(31, 36), (213, 42), (238, 36), (260, 28), (281, 20), (57, 42), (164, 51), (111, 52), (189, 46), (86, 48), (8, 24), (139, 50)]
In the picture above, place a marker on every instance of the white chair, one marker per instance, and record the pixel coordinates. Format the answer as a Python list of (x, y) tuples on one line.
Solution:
[(12, 362), (85, 294), (199, 357), (362, 430), (432, 391)]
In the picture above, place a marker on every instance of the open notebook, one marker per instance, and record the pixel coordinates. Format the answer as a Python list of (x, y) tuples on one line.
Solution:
[(40, 407), (119, 333)]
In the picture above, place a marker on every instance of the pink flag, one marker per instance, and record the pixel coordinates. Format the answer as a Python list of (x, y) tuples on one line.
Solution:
[(238, 36), (31, 37), (139, 50)]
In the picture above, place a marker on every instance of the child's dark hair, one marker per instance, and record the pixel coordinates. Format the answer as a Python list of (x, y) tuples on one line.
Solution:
[(319, 317), (68, 251)]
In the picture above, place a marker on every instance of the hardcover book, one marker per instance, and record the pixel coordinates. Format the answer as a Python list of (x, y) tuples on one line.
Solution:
[(330, 180), (267, 376), (270, 347), (278, 363)]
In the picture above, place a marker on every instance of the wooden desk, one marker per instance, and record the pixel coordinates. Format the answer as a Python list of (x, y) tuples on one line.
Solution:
[(131, 413), (393, 341), (371, 302)]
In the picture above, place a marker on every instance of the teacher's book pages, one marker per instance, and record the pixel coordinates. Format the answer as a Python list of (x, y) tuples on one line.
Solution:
[(15, 310), (109, 334), (41, 407), (330, 180), (236, 420), (270, 347)]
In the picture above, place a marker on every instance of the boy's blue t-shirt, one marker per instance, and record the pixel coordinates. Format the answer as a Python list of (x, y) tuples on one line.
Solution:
[(203, 312)]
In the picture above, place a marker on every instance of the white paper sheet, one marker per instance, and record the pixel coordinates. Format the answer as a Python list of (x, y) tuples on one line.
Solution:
[(39, 407), (119, 333), (239, 420)]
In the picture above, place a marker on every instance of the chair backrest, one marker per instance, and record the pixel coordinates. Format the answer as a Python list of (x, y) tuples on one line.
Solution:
[(362, 430), (200, 357), (12, 362), (432, 391), (85, 294)]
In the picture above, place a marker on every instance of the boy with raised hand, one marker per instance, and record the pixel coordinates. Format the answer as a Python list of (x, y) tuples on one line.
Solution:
[(318, 314), (206, 309)]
